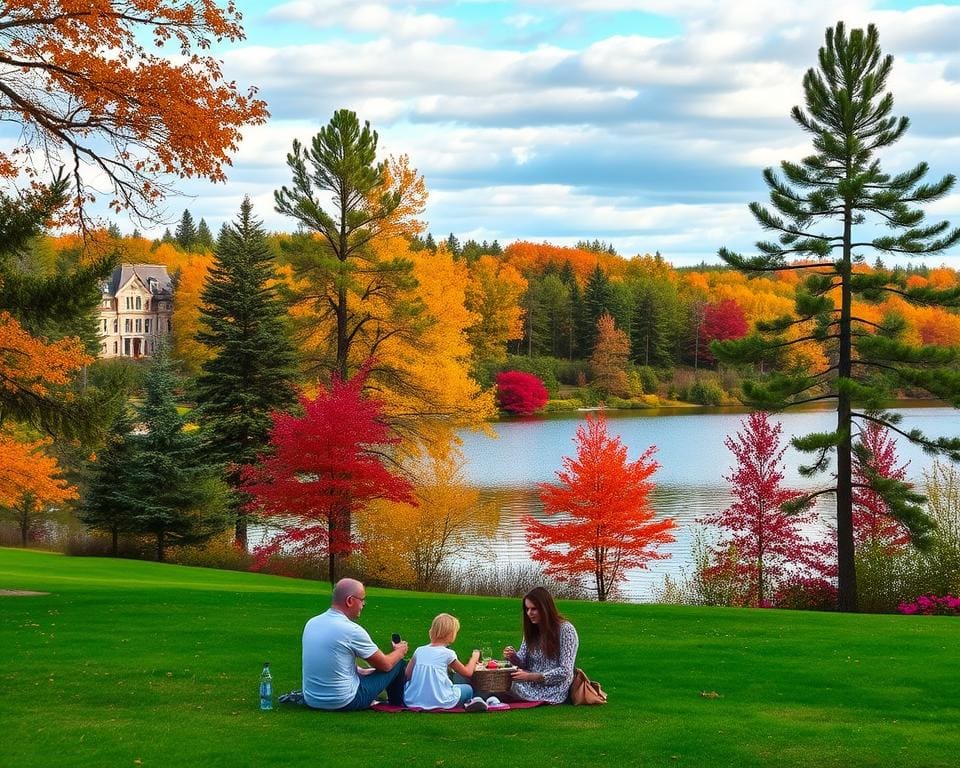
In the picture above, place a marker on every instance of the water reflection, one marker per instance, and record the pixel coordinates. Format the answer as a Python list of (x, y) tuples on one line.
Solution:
[(690, 482)]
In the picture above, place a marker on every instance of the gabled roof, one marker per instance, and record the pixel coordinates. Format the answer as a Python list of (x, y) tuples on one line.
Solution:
[(124, 273)]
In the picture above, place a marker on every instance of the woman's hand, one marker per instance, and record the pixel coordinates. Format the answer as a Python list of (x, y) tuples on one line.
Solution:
[(523, 675), (510, 654)]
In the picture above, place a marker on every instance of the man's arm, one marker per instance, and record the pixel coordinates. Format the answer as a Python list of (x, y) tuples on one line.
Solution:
[(384, 662)]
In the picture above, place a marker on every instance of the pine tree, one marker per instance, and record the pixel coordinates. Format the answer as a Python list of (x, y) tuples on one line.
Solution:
[(842, 183), (341, 265), (253, 363), (453, 245), (181, 499), (186, 232), (110, 502), (597, 300), (204, 236)]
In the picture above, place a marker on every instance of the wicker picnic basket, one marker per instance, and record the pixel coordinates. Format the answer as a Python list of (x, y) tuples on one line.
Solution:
[(492, 680)]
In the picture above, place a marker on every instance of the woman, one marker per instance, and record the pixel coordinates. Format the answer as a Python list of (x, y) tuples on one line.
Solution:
[(547, 654)]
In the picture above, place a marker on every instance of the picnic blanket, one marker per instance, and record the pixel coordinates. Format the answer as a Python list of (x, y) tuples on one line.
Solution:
[(382, 706)]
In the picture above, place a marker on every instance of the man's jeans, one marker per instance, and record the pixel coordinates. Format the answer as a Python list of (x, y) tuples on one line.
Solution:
[(371, 685)]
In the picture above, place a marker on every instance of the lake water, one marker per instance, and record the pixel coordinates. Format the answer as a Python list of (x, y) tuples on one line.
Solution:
[(689, 482)]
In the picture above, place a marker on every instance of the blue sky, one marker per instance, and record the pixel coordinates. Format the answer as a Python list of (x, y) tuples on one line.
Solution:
[(645, 123)]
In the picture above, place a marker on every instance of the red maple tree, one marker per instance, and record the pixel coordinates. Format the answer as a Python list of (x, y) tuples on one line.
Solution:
[(608, 525), (721, 321), (520, 392), (759, 541), (872, 522), (324, 465)]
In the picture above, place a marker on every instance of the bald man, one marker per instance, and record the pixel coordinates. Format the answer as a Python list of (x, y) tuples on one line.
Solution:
[(332, 643)]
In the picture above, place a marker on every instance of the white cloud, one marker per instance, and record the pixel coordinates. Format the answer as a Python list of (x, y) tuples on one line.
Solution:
[(370, 18), (652, 142)]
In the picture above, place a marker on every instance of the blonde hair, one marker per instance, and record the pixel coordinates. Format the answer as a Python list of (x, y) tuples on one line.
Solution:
[(444, 628)]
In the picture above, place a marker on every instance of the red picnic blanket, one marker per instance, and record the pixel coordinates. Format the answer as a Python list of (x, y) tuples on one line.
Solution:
[(383, 706)]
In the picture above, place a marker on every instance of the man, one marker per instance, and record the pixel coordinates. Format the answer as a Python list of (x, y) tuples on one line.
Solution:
[(332, 643)]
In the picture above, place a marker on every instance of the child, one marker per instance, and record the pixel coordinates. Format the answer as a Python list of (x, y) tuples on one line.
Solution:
[(428, 683)]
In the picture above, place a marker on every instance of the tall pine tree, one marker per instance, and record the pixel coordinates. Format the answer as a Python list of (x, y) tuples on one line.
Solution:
[(252, 368), (826, 210)]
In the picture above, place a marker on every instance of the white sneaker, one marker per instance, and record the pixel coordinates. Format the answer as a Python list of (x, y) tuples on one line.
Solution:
[(493, 701), (476, 704)]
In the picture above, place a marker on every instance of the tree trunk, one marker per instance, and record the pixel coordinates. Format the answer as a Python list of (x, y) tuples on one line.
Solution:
[(240, 530), (161, 547), (114, 542), (846, 568)]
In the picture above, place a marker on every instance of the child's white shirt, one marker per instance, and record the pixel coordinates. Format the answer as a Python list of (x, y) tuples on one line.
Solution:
[(430, 686)]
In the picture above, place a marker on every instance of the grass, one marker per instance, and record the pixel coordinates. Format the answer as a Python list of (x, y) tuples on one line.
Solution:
[(130, 663)]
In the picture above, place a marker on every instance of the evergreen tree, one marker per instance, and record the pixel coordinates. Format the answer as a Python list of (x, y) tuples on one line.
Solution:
[(453, 245), (180, 498), (340, 265), (842, 183), (204, 236), (253, 365), (167, 237), (186, 232), (576, 344), (597, 301), (114, 231), (110, 502)]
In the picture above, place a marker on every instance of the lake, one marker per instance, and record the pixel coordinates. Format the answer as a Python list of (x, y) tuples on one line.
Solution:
[(689, 483)]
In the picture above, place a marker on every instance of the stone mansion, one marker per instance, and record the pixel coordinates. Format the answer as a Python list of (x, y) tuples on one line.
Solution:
[(135, 310)]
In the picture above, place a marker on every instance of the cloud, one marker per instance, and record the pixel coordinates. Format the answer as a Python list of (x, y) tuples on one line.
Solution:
[(366, 18), (652, 140)]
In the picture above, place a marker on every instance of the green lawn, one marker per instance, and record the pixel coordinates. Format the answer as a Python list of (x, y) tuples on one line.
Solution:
[(140, 664)]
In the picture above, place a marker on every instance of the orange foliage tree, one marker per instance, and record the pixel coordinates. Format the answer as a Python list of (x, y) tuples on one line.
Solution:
[(81, 80), (610, 357), (29, 482), (610, 526)]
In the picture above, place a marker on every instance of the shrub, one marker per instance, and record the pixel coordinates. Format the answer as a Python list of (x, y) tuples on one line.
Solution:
[(648, 379), (804, 593), (705, 392), (520, 393), (570, 404), (221, 552), (931, 605)]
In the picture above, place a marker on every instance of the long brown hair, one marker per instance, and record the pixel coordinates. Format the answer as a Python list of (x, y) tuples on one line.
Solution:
[(546, 634)]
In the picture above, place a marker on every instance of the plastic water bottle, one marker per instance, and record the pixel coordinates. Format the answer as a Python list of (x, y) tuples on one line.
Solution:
[(266, 687)]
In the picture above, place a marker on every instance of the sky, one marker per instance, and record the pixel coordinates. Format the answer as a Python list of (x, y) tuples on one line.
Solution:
[(642, 123)]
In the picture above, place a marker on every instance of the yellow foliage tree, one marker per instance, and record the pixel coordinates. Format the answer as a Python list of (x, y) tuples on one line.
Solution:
[(411, 546), (494, 295)]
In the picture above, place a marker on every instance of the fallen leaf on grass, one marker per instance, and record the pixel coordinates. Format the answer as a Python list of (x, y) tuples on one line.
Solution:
[(710, 695)]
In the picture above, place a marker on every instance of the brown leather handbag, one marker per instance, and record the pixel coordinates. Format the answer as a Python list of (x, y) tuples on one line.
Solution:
[(583, 690)]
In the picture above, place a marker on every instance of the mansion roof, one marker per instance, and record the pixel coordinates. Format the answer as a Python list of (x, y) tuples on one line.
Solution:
[(153, 277)]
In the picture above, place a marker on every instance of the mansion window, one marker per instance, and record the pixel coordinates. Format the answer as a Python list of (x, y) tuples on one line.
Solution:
[(114, 347), (138, 302), (146, 325), (139, 324), (127, 325), (116, 328)]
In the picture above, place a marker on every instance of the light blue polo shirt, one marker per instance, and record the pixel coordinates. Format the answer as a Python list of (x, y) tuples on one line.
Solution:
[(332, 643)]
